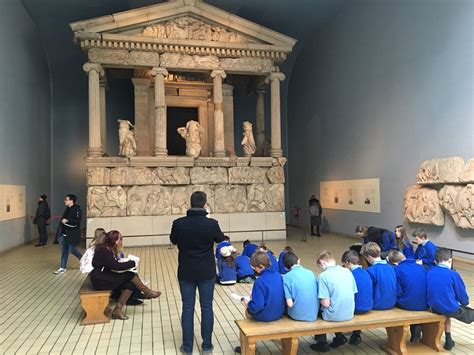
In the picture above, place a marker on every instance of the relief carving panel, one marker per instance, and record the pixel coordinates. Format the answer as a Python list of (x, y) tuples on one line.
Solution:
[(211, 175), (130, 176), (98, 176), (230, 198), (149, 201), (467, 174), (276, 175), (422, 205), (438, 171), (170, 176), (247, 175), (106, 201), (458, 201)]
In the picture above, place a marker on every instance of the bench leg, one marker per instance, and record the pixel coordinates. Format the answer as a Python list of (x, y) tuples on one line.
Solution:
[(290, 346), (247, 347), (96, 310), (431, 335), (397, 340)]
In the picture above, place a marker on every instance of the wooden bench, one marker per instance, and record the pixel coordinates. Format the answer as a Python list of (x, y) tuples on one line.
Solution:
[(396, 321), (95, 304)]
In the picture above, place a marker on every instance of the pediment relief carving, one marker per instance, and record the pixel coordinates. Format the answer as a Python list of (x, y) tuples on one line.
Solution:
[(189, 28)]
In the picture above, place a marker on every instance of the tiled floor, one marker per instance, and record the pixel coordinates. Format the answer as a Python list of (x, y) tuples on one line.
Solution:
[(40, 312)]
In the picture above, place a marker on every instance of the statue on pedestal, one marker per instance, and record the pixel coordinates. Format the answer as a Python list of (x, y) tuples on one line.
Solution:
[(192, 133), (128, 142), (248, 142)]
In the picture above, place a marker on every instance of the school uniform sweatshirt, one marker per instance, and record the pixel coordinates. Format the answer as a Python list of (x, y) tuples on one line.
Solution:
[(268, 298), (411, 286), (364, 296), (426, 252), (384, 285)]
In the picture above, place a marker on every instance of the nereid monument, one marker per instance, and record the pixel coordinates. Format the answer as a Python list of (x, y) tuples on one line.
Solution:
[(183, 54)]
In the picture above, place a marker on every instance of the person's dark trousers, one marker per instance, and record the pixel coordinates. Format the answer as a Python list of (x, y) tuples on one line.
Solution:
[(464, 314), (188, 297), (43, 234), (66, 249)]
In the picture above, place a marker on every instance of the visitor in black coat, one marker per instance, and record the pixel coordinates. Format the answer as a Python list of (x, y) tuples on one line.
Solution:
[(69, 231), (43, 213), (195, 236)]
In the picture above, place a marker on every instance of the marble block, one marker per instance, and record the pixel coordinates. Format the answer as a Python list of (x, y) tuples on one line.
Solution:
[(170, 176), (247, 175), (438, 171), (458, 202), (266, 197), (106, 201), (181, 198), (230, 198), (130, 176), (148, 201), (209, 175), (276, 175), (422, 205), (98, 176), (467, 174)]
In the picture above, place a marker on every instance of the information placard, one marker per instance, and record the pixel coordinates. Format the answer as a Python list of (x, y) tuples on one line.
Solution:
[(12, 202)]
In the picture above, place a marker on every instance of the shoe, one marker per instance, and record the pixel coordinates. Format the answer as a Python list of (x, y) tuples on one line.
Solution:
[(355, 339), (207, 350), (238, 350), (117, 313), (322, 347), (184, 352), (338, 341), (60, 271), (448, 345), (38, 245), (134, 302), (416, 334), (146, 291)]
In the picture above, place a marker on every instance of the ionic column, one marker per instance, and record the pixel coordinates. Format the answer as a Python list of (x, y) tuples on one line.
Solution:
[(219, 148), (142, 126), (228, 110), (160, 111), (260, 121), (94, 71), (103, 116), (274, 79)]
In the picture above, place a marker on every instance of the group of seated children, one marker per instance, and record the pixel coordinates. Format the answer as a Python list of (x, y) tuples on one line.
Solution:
[(342, 291)]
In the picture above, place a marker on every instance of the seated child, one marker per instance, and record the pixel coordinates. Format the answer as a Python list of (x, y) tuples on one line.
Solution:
[(426, 250), (281, 257), (447, 293), (363, 297), (249, 249), (271, 257), (411, 287), (225, 243), (85, 264), (245, 272), (227, 266), (336, 289), (384, 279), (301, 290), (403, 243), (267, 302), (384, 238)]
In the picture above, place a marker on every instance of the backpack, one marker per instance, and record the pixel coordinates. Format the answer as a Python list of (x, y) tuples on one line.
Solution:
[(314, 210)]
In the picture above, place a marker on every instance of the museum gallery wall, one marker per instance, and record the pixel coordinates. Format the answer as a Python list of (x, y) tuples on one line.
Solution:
[(382, 87)]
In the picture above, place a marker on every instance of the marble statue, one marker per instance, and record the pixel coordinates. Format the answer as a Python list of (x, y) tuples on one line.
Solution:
[(128, 143), (248, 141), (192, 133)]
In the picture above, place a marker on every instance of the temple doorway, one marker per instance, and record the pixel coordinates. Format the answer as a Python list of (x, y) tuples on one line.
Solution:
[(177, 117)]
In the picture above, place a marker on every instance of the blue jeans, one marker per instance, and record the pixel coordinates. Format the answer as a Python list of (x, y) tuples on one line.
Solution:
[(188, 297), (66, 249)]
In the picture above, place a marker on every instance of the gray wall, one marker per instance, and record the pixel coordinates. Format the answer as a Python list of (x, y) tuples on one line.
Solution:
[(382, 87), (24, 116)]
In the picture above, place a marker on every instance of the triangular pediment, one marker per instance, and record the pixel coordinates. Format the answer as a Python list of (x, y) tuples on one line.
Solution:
[(183, 20)]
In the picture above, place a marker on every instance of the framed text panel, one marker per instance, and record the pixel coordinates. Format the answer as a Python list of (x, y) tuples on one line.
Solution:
[(12, 202), (351, 195)]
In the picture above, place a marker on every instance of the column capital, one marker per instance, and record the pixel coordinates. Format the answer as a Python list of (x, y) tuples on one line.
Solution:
[(275, 76), (158, 70), (218, 72), (93, 67)]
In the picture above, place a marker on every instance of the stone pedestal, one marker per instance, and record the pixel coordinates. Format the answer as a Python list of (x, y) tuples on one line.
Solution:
[(94, 72), (142, 128)]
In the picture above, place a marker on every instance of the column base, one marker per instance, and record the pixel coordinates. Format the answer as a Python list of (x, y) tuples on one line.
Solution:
[(160, 152), (219, 153), (276, 153), (95, 152)]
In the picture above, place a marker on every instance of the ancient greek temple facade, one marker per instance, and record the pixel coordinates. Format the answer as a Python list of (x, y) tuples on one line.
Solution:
[(181, 55)]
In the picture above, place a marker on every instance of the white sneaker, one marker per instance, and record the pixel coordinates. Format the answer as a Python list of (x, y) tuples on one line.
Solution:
[(60, 271)]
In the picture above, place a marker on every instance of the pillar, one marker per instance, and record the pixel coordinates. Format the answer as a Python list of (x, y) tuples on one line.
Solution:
[(142, 128), (160, 111), (103, 115), (228, 111), (94, 72), (260, 121), (219, 148), (274, 79)]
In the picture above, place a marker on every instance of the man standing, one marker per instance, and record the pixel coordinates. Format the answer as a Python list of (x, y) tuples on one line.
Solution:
[(195, 236), (43, 213), (70, 231), (315, 211)]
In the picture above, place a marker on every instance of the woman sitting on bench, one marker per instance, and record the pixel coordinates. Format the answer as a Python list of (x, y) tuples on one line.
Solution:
[(110, 274)]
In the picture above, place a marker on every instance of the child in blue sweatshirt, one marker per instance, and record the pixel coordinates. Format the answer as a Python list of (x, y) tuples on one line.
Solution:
[(227, 266), (271, 257), (249, 249), (281, 266), (384, 279), (411, 287), (403, 243), (245, 272), (225, 243), (363, 297), (267, 302), (447, 293), (426, 250)]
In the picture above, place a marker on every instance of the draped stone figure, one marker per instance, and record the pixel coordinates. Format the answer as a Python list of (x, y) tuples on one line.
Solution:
[(128, 143), (248, 141), (192, 133)]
